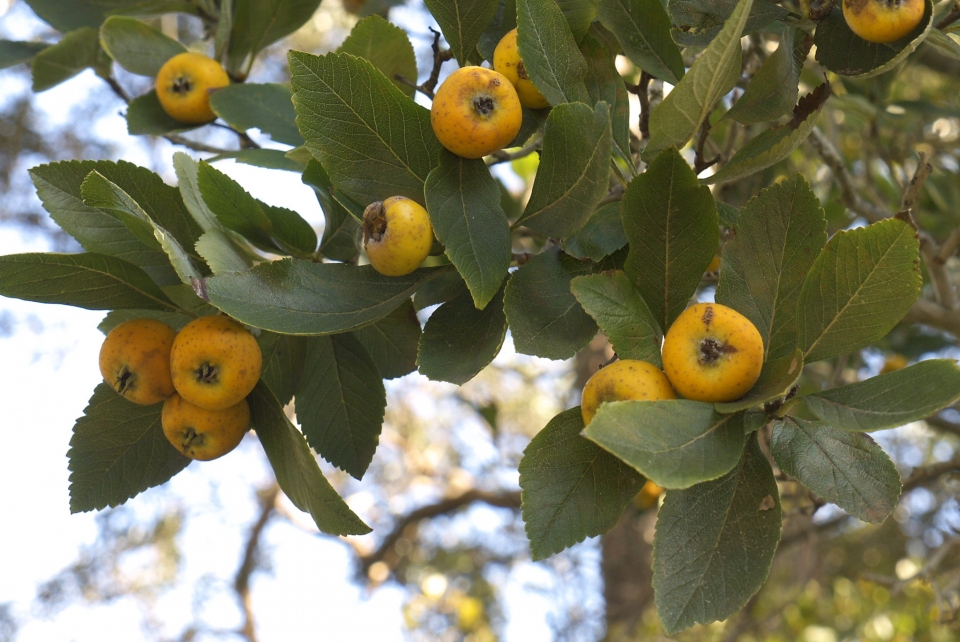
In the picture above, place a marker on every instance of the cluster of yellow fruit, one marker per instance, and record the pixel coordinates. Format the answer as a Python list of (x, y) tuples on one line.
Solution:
[(710, 353), (202, 374)]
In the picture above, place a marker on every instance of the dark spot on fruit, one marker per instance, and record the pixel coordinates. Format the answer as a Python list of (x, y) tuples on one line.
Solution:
[(125, 381), (181, 85), (484, 105), (374, 222), (707, 315), (522, 71), (711, 350)]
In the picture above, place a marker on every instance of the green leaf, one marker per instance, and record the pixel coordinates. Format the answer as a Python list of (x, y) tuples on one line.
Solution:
[(614, 303), (580, 14), (145, 115), (715, 73), (90, 281), (283, 357), (604, 83), (372, 140), (574, 171), (445, 287), (891, 399), (76, 51), (267, 158), (341, 401), (545, 318), (862, 283), (699, 21), (267, 107), (296, 468), (66, 16), (234, 208), (14, 52), (386, 47), (775, 144), (462, 23), (221, 253), (715, 542), (187, 170), (136, 46), (843, 52), (393, 341), (459, 340), (571, 489), (504, 19), (600, 236), (291, 231), (58, 186), (642, 28), (117, 451), (464, 205), (189, 307), (778, 236), (773, 90), (549, 52), (846, 468), (153, 7), (937, 39), (340, 230), (291, 296), (676, 442), (776, 379), (258, 23), (671, 222), (99, 192)]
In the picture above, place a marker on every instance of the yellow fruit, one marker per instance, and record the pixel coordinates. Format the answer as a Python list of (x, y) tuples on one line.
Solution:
[(204, 434), (623, 380), (648, 495), (712, 353), (135, 360), (397, 235), (882, 21), (184, 84), (215, 362), (714, 264), (506, 60), (894, 362), (476, 112)]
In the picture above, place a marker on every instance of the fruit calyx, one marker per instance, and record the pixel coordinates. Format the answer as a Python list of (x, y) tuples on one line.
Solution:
[(125, 381), (484, 105), (374, 222), (208, 373), (182, 85), (192, 438)]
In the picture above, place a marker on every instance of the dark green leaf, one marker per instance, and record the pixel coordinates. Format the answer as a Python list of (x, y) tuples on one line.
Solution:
[(891, 399), (339, 240), (549, 52), (859, 287), (715, 73), (267, 107), (136, 46), (846, 468), (699, 21), (459, 340), (574, 171), (91, 281), (445, 287), (117, 451), (66, 16), (671, 223), (283, 357), (341, 401), (571, 488), (258, 23), (715, 542), (145, 115), (642, 28), (299, 297), (190, 304), (778, 236), (776, 379), (392, 341), (504, 19), (580, 14), (14, 52), (772, 91), (291, 232), (462, 23), (76, 51), (296, 468), (386, 47), (545, 318), (604, 83), (614, 303), (464, 205), (600, 236), (234, 208), (372, 140), (676, 442), (267, 158)]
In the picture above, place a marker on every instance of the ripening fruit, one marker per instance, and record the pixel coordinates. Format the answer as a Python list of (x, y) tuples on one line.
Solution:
[(476, 112), (506, 60), (397, 235), (882, 21), (623, 380), (215, 362), (135, 360), (894, 362), (184, 84), (204, 434), (712, 353)]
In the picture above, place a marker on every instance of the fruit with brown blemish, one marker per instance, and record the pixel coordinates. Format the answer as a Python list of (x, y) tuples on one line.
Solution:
[(506, 60), (712, 353), (475, 112), (882, 21), (204, 434), (215, 362), (622, 380), (397, 235), (135, 360)]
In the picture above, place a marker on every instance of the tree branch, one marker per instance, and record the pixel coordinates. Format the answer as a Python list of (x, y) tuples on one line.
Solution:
[(241, 581), (848, 192), (440, 56)]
